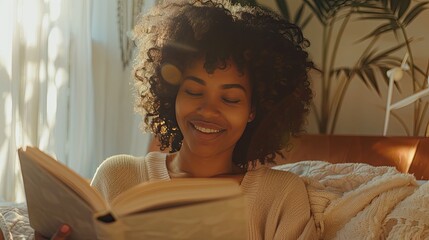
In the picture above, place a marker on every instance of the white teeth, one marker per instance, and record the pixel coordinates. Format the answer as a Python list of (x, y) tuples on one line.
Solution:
[(206, 130)]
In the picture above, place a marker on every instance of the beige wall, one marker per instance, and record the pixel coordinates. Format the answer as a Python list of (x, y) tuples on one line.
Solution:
[(363, 110)]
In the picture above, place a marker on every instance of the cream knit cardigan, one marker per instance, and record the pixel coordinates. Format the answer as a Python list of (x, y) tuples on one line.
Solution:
[(277, 200)]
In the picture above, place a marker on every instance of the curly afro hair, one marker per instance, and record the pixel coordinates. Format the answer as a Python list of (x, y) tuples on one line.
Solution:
[(260, 42)]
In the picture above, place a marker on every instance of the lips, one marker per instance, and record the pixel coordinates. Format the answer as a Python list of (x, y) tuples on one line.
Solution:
[(206, 130)]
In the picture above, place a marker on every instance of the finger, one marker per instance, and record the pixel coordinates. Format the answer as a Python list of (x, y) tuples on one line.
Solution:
[(63, 232)]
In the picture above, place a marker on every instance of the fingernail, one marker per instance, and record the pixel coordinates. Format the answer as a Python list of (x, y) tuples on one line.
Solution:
[(65, 228)]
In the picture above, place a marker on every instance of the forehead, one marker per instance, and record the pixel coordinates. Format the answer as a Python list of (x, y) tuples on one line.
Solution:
[(227, 74)]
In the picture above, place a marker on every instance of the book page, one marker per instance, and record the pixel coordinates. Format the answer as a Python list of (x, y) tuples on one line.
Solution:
[(218, 219), (69, 178), (155, 195), (51, 203)]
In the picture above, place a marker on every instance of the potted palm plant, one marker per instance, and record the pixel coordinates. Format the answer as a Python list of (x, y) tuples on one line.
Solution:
[(334, 16)]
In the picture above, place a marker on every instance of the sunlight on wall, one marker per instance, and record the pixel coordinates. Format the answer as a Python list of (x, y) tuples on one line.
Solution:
[(54, 9), (42, 71), (55, 39), (7, 126), (6, 27), (31, 13), (31, 77), (5, 95), (33, 62), (7, 114), (51, 104)]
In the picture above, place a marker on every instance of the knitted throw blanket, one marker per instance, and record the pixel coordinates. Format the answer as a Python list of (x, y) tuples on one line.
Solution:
[(359, 201)]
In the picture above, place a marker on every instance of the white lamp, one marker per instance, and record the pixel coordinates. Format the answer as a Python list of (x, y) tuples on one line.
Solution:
[(395, 74)]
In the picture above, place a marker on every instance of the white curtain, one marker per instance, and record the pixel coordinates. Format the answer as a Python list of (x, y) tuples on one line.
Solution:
[(46, 86), (117, 126), (62, 87)]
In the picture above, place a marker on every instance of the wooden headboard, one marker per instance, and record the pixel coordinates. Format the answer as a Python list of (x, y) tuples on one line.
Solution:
[(407, 154)]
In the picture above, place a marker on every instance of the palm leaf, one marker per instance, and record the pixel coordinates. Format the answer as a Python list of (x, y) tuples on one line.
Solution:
[(306, 21), (371, 11), (347, 71), (387, 27), (362, 76), (378, 16), (369, 72), (422, 115), (371, 5), (386, 53), (421, 71), (298, 15), (317, 11), (388, 63), (284, 9), (394, 5), (366, 59), (403, 7), (413, 13), (383, 72), (324, 7)]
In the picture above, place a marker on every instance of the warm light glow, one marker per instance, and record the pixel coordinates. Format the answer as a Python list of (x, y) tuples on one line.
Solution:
[(31, 76), (51, 104), (400, 153), (32, 71), (19, 195), (3, 153), (42, 72), (61, 78), (7, 115), (6, 33), (54, 9), (17, 129), (44, 137), (30, 21), (51, 70), (55, 40)]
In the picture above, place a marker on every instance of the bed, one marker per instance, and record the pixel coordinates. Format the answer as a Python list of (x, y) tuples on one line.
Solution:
[(14, 222), (349, 199)]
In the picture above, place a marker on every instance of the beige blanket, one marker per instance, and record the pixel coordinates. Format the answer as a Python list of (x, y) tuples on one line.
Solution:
[(359, 201)]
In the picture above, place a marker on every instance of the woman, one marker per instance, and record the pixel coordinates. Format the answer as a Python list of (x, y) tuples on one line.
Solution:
[(223, 87)]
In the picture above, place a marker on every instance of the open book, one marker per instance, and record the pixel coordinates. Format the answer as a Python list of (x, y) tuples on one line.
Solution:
[(192, 208)]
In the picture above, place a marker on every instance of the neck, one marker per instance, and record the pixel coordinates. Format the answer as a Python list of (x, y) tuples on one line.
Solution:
[(188, 164)]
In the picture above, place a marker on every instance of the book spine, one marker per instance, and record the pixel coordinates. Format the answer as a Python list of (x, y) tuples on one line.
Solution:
[(108, 228)]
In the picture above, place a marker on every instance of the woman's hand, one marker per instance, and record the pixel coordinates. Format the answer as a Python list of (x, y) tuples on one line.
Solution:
[(62, 233)]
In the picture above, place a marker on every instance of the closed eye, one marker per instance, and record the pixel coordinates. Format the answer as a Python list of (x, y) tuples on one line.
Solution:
[(194, 94), (227, 100)]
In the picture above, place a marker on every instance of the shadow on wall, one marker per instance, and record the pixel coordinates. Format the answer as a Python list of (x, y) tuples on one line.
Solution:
[(5, 121)]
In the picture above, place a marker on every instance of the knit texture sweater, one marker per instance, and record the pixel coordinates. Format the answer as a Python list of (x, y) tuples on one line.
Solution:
[(277, 201)]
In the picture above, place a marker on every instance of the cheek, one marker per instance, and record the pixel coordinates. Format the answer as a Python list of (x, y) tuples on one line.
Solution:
[(182, 108), (239, 119)]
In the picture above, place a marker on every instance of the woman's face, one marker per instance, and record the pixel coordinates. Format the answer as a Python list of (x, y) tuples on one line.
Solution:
[(212, 110)]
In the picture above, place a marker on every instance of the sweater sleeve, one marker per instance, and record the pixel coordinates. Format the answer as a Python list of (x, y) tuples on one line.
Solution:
[(117, 174), (291, 209), (279, 206), (289, 215)]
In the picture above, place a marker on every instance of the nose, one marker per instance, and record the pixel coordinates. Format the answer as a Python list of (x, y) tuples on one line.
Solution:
[(209, 107)]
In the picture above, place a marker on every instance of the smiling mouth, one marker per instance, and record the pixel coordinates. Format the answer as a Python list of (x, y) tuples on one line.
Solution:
[(207, 130)]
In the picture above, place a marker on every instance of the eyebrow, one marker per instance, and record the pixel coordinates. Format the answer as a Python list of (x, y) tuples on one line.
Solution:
[(224, 86)]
